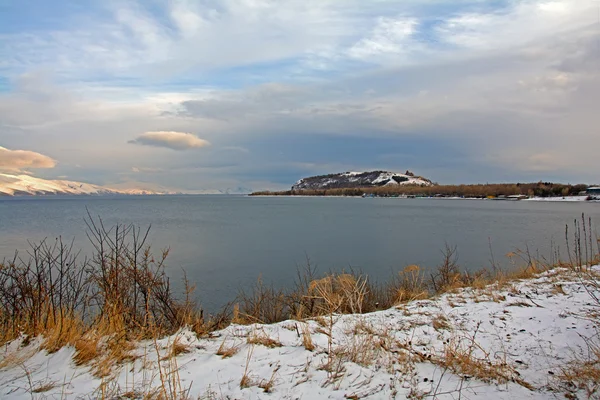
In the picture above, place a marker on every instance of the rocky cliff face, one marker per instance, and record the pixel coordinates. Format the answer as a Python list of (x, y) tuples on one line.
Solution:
[(360, 179)]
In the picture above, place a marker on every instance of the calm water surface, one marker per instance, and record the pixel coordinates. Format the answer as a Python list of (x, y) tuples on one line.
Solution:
[(226, 242)]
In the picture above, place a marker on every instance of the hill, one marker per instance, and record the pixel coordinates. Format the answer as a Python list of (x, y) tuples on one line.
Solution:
[(25, 185), (348, 180)]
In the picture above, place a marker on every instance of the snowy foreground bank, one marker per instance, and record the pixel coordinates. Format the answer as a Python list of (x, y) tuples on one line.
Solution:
[(507, 343)]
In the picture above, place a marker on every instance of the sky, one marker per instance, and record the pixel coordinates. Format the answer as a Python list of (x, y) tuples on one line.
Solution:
[(256, 94)]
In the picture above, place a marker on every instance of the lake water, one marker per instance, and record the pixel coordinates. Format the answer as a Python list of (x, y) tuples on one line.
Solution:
[(227, 242)]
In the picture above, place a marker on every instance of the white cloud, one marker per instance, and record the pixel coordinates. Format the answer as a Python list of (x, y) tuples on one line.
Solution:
[(555, 81), (15, 160), (170, 140), (491, 78), (199, 36), (520, 23), (390, 36)]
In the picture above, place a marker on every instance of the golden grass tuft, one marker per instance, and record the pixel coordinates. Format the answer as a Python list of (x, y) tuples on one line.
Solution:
[(267, 385), (178, 348), (226, 350), (440, 322), (460, 356), (246, 382), (307, 341), (103, 346), (261, 338), (584, 374), (519, 304), (340, 293), (87, 348), (43, 387), (558, 289), (114, 352), (410, 285)]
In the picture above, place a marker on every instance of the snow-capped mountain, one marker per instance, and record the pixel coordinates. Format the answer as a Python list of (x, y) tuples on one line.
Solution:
[(360, 179), (15, 185)]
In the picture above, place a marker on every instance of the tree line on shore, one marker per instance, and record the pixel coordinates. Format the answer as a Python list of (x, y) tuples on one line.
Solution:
[(538, 189)]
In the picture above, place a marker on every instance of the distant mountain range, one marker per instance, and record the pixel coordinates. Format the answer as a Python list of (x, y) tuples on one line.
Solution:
[(360, 180), (25, 185), (237, 190)]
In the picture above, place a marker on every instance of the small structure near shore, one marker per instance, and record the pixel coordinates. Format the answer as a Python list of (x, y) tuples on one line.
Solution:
[(593, 191)]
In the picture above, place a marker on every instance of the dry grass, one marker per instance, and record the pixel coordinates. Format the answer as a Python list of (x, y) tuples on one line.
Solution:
[(465, 357), (44, 387), (246, 380), (307, 337), (519, 304), (227, 350), (267, 384), (321, 321), (440, 322), (178, 348), (100, 305), (409, 285), (112, 353), (17, 357), (361, 326), (264, 304), (103, 347), (63, 332), (87, 348), (584, 373), (170, 387), (343, 293), (260, 337), (366, 344), (558, 290)]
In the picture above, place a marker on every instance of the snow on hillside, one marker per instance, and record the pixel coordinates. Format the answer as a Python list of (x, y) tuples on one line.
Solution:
[(559, 198), (359, 179), (512, 343), (14, 185)]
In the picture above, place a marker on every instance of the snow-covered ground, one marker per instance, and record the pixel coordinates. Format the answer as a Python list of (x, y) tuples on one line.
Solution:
[(359, 179), (559, 198), (525, 331), (28, 185)]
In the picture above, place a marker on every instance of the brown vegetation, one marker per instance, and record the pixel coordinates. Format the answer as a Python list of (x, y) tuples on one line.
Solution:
[(99, 305), (541, 189)]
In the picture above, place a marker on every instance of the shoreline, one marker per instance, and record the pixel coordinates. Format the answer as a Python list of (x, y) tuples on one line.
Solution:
[(570, 199)]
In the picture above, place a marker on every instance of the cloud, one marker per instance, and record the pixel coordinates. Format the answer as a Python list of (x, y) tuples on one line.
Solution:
[(143, 170), (16, 160), (388, 36), (279, 85), (170, 140)]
